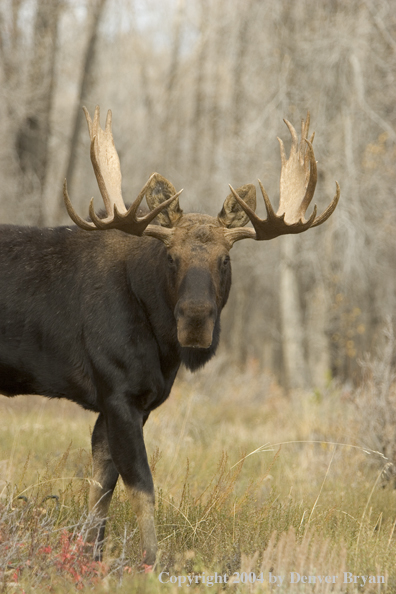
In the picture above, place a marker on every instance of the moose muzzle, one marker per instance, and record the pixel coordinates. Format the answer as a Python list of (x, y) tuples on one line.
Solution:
[(196, 309), (195, 323)]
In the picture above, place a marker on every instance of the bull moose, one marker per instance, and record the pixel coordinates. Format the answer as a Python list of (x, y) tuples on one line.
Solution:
[(106, 319)]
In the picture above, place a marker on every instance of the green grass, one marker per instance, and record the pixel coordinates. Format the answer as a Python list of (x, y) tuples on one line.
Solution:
[(248, 480)]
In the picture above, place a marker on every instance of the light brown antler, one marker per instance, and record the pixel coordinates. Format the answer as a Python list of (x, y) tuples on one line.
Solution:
[(106, 165), (297, 186)]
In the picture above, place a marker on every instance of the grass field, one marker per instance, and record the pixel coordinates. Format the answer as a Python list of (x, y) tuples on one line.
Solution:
[(250, 482)]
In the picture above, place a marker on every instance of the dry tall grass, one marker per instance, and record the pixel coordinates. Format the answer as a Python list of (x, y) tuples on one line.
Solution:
[(248, 480)]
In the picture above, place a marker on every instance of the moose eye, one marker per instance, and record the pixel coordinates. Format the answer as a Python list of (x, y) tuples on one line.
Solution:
[(170, 260), (226, 261)]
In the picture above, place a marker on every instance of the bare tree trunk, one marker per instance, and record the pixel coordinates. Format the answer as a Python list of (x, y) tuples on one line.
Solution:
[(196, 148), (10, 78), (34, 133), (244, 13), (239, 66), (318, 341), (295, 368), (148, 102), (170, 144), (214, 110), (85, 86), (291, 318), (9, 57)]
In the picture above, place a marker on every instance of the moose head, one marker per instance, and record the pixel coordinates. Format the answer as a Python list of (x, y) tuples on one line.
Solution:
[(198, 245)]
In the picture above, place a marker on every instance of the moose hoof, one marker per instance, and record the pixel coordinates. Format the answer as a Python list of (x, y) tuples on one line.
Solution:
[(145, 568), (147, 565)]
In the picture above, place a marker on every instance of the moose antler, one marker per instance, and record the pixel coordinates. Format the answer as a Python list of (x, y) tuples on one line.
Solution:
[(106, 165), (297, 186)]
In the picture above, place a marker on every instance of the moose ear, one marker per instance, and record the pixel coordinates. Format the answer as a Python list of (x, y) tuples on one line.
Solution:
[(232, 215), (159, 190)]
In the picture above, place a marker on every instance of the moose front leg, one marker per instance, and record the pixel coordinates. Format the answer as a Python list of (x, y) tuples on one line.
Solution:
[(105, 477), (125, 437)]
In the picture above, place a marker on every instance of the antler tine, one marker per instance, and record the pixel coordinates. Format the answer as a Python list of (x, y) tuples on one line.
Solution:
[(96, 122), (89, 121), (305, 154), (282, 151), (330, 209), (254, 219), (249, 211), (267, 202), (109, 119), (294, 136), (94, 149), (72, 213), (304, 130), (305, 125), (313, 176)]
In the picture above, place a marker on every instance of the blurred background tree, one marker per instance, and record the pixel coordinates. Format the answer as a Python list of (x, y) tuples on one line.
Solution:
[(198, 90)]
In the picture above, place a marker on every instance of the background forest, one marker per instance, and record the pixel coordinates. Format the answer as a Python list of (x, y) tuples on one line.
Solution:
[(281, 454), (198, 91)]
